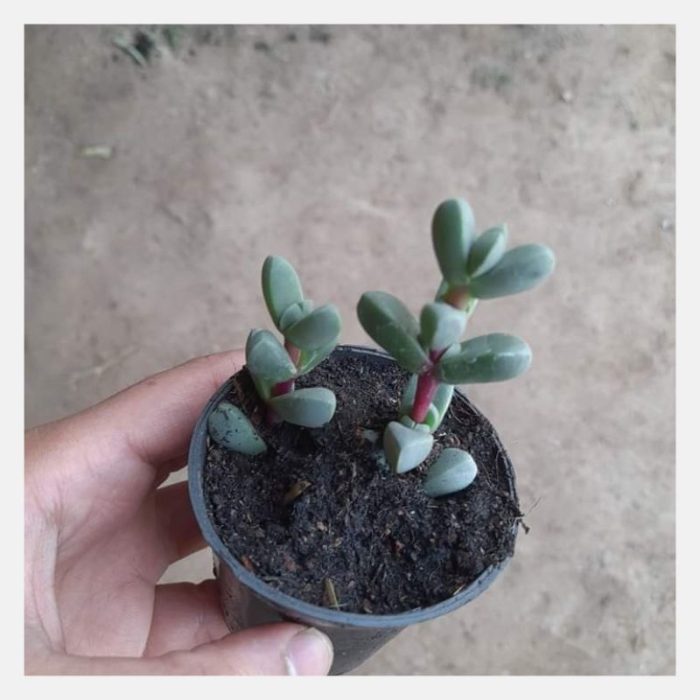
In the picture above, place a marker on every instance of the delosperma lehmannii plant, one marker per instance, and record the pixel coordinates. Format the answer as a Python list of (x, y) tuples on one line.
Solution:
[(310, 335), (429, 348), (472, 268)]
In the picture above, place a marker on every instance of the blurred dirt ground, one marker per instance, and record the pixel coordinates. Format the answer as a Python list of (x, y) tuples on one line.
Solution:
[(212, 147)]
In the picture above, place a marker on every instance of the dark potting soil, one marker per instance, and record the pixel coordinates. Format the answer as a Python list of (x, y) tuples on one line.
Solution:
[(320, 516)]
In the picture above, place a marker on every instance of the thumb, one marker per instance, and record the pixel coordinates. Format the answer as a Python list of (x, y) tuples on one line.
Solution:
[(268, 650)]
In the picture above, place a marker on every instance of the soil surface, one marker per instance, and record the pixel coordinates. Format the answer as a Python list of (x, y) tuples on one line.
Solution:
[(320, 515)]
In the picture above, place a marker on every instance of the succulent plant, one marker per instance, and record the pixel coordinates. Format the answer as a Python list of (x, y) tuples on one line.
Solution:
[(310, 335), (428, 347), (472, 268)]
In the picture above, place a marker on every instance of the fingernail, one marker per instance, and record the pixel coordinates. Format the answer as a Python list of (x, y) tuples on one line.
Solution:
[(309, 653)]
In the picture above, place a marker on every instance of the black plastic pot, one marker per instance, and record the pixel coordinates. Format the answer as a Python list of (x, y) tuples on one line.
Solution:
[(249, 601)]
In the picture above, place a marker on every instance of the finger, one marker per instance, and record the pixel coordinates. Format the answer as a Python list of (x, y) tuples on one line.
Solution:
[(185, 615), (179, 528), (155, 417), (282, 649), (149, 423)]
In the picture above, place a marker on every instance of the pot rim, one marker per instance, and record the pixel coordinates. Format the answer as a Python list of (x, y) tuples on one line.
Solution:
[(287, 603)]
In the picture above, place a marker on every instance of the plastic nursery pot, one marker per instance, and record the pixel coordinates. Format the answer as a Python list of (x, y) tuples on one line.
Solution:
[(247, 600)]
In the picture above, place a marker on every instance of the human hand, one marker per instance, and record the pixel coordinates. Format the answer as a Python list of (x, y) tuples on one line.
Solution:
[(99, 534)]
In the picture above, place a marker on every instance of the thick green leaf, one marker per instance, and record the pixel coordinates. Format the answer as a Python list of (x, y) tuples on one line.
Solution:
[(443, 398), (266, 357), (230, 428), (453, 471), (453, 232), (310, 408), (312, 358), (487, 250), (315, 330), (441, 325), (488, 358), (392, 326), (519, 269), (438, 408), (281, 286), (405, 448), (294, 313)]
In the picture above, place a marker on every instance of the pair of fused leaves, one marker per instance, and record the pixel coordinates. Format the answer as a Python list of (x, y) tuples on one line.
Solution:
[(479, 266), (310, 333), (488, 358), (313, 331), (407, 447)]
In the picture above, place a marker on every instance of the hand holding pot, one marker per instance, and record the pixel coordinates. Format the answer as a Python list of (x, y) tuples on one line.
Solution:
[(99, 534)]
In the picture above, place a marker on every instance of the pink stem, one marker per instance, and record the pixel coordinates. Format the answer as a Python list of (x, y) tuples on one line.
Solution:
[(426, 388), (457, 297), (283, 388), (425, 392)]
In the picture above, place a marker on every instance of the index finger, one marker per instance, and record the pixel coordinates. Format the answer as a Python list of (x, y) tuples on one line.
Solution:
[(150, 422), (155, 417)]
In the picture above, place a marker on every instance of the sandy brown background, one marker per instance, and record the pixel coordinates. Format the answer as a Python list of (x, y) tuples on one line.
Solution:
[(332, 146)]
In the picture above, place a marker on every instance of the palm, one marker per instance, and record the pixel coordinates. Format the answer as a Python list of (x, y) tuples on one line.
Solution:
[(99, 533), (105, 596)]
